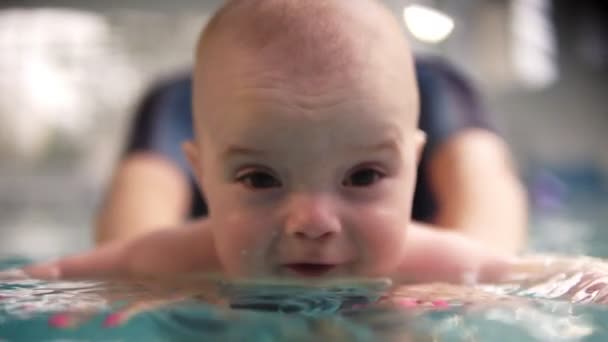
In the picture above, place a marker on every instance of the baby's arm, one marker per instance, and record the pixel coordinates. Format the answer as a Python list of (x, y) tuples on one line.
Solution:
[(174, 250), (440, 256), (445, 256)]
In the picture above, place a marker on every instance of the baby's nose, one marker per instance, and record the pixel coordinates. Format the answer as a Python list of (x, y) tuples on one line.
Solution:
[(312, 217)]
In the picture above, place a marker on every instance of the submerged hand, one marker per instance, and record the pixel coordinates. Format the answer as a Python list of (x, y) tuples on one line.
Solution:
[(224, 295), (140, 295), (579, 280)]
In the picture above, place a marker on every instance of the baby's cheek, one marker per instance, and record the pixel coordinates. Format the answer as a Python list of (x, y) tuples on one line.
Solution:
[(382, 237), (243, 242)]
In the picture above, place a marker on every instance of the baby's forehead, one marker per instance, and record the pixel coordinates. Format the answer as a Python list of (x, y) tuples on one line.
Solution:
[(311, 46), (291, 97), (355, 114)]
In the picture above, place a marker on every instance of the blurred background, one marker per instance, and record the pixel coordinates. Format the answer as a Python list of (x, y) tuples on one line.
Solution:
[(72, 73)]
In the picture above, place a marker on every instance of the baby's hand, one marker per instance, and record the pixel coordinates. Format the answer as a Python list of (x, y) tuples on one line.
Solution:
[(169, 251), (579, 280), (592, 288), (107, 261)]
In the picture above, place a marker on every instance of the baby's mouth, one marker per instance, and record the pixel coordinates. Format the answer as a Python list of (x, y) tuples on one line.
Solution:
[(310, 269)]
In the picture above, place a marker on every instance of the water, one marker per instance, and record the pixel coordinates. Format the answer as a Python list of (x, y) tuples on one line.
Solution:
[(198, 308), (564, 305)]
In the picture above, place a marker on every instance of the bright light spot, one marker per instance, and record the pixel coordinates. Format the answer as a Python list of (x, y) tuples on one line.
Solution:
[(534, 47), (62, 72), (427, 24)]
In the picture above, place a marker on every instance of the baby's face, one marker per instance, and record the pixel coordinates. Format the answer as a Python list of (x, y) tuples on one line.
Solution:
[(308, 181)]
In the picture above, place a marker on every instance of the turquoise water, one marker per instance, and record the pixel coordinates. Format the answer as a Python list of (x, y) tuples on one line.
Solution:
[(204, 308), (564, 306)]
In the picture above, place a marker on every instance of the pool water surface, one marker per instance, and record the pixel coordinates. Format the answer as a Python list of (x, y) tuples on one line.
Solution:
[(567, 305), (198, 308)]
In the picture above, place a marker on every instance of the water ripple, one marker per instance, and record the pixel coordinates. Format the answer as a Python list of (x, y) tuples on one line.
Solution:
[(561, 307)]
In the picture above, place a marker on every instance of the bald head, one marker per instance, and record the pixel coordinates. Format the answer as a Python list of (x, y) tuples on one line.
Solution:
[(311, 43), (320, 35)]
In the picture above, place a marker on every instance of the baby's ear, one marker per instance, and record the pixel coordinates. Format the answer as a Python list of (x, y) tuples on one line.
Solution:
[(193, 155), (420, 142)]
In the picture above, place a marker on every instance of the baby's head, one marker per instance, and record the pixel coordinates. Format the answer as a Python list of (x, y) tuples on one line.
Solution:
[(306, 137)]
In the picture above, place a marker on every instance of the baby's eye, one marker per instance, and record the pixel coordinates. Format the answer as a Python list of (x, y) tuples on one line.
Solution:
[(259, 180), (363, 177)]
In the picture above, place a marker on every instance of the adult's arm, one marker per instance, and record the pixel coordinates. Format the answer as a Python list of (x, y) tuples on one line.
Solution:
[(466, 165), (147, 192), (477, 190), (151, 186)]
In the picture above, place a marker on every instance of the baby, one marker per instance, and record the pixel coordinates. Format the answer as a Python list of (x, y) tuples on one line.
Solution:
[(306, 147)]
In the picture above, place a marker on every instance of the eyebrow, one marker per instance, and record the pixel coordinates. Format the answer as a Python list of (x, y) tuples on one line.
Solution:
[(389, 144), (236, 150)]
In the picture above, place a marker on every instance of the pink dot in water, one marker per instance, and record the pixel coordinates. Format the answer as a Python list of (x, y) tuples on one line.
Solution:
[(60, 321), (113, 320), (440, 303)]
